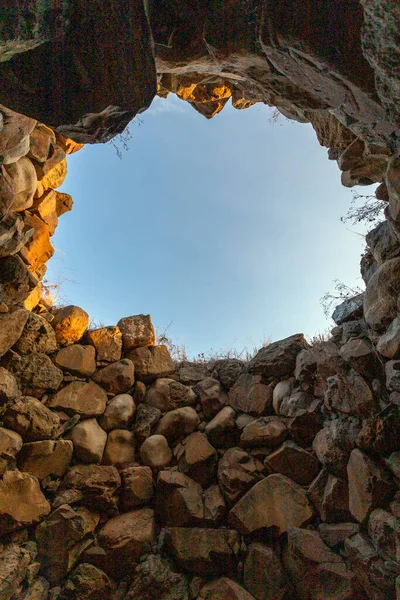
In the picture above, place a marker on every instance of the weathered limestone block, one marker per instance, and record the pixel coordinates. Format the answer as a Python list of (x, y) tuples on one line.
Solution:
[(89, 441), (98, 485), (137, 487), (264, 576), (294, 462), (44, 458), (374, 574), (251, 396), (389, 343), (16, 282), (155, 452), (151, 362), (276, 501), (197, 458), (35, 373), (369, 485), (38, 249), (77, 360), (204, 552), (60, 540), (333, 445), (70, 323), (41, 140), (330, 496), (265, 431), (212, 397), (37, 337), (380, 301), (147, 418), (54, 178), (125, 538), (119, 413), (86, 399), (157, 575), (224, 588), (178, 423), (10, 444), (87, 581), (221, 430), (14, 560), (116, 378), (335, 535), (14, 234), (24, 180), (107, 342), (179, 500), (120, 448), (279, 358), (167, 394), (237, 473), (8, 386), (21, 501), (136, 331), (350, 395), (31, 419), (317, 572), (384, 531), (15, 131), (228, 370)]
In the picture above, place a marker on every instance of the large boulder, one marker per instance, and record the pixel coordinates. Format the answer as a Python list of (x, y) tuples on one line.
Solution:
[(380, 301), (119, 413), (125, 539), (107, 342), (179, 501), (60, 542), (370, 485), (155, 577), (151, 362), (98, 485), (137, 487), (167, 394), (37, 337), (197, 458), (269, 432), (136, 331), (294, 462), (10, 445), (120, 448), (317, 572), (155, 452), (89, 582), (22, 502), (178, 423), (251, 396), (44, 458), (70, 323), (203, 552), (224, 588), (35, 373), (264, 575), (237, 473), (16, 283), (86, 399), (116, 378), (279, 358), (31, 419), (89, 441), (276, 501), (77, 360)]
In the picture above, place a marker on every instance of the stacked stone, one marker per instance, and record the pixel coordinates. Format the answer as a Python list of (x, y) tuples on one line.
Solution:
[(127, 475), (32, 164)]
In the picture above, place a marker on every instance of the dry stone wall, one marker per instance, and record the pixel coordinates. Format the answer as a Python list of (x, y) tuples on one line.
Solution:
[(126, 475)]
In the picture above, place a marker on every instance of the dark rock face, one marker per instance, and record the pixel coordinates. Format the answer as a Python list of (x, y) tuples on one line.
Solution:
[(90, 75), (303, 57)]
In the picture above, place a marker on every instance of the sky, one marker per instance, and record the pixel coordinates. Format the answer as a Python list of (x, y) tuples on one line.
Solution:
[(226, 231)]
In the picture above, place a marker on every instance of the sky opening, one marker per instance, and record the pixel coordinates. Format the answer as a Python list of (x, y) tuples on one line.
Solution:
[(228, 231)]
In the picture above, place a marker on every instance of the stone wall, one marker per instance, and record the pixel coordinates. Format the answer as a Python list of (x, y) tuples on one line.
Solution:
[(123, 474)]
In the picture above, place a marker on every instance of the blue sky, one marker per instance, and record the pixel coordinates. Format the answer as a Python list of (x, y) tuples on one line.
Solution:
[(229, 228)]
